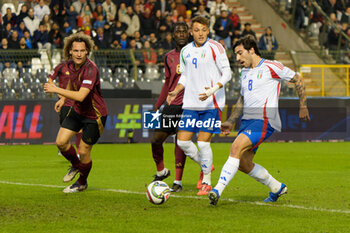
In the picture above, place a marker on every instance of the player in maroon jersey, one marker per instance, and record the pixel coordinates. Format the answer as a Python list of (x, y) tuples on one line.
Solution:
[(89, 110), (171, 112), (62, 72)]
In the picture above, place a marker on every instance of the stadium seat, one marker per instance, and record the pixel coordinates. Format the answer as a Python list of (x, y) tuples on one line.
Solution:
[(36, 64), (106, 74), (26, 94), (17, 84), (151, 73), (121, 71), (35, 85), (9, 94), (39, 94), (138, 74), (10, 73), (4, 85), (42, 75)]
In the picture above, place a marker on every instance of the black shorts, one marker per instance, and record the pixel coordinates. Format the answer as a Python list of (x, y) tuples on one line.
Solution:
[(170, 113), (63, 113), (92, 129)]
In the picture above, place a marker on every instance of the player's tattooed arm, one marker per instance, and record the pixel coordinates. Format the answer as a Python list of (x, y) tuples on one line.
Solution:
[(300, 88), (237, 111)]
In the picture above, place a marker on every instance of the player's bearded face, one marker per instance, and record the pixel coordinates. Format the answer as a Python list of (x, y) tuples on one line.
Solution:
[(200, 33), (78, 53)]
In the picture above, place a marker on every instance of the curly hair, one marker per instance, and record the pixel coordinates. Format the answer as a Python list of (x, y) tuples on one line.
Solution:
[(247, 42), (77, 37)]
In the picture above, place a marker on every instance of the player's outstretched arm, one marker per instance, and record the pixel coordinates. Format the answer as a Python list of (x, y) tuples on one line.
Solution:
[(172, 94), (300, 88), (227, 126)]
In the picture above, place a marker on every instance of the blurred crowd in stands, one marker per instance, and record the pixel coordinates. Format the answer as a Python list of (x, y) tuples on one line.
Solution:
[(116, 24), (309, 19)]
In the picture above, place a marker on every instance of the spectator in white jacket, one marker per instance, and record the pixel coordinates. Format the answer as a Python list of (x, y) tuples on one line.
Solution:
[(132, 20), (41, 9), (110, 9), (31, 22)]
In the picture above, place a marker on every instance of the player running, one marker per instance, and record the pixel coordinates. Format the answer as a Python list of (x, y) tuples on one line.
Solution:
[(260, 86), (88, 113), (205, 69), (173, 111), (62, 72)]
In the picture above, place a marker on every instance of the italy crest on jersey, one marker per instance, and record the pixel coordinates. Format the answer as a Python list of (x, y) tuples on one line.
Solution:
[(259, 76)]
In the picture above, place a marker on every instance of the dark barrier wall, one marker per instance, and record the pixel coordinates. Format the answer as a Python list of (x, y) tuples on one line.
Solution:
[(36, 122)]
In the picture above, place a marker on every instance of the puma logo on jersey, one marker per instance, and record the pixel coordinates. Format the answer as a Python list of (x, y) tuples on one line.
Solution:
[(248, 131)]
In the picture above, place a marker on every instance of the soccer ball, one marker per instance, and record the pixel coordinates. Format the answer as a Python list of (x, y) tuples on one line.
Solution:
[(158, 192)]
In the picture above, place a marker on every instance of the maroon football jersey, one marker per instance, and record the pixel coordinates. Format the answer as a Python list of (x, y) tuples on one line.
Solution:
[(63, 74), (88, 76), (172, 76)]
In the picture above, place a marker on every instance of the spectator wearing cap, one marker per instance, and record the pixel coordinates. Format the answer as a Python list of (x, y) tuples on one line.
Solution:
[(248, 30), (132, 20), (223, 29), (31, 22), (41, 9), (268, 43), (41, 37)]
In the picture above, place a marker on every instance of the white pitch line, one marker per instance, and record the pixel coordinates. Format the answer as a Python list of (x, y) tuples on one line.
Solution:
[(190, 197)]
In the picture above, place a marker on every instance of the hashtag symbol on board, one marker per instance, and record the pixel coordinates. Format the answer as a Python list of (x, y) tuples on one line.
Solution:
[(128, 119)]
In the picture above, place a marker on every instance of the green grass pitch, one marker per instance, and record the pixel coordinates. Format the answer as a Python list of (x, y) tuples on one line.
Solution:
[(317, 176)]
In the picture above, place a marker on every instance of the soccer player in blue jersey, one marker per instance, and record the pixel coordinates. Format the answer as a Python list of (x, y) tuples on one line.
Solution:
[(260, 86)]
